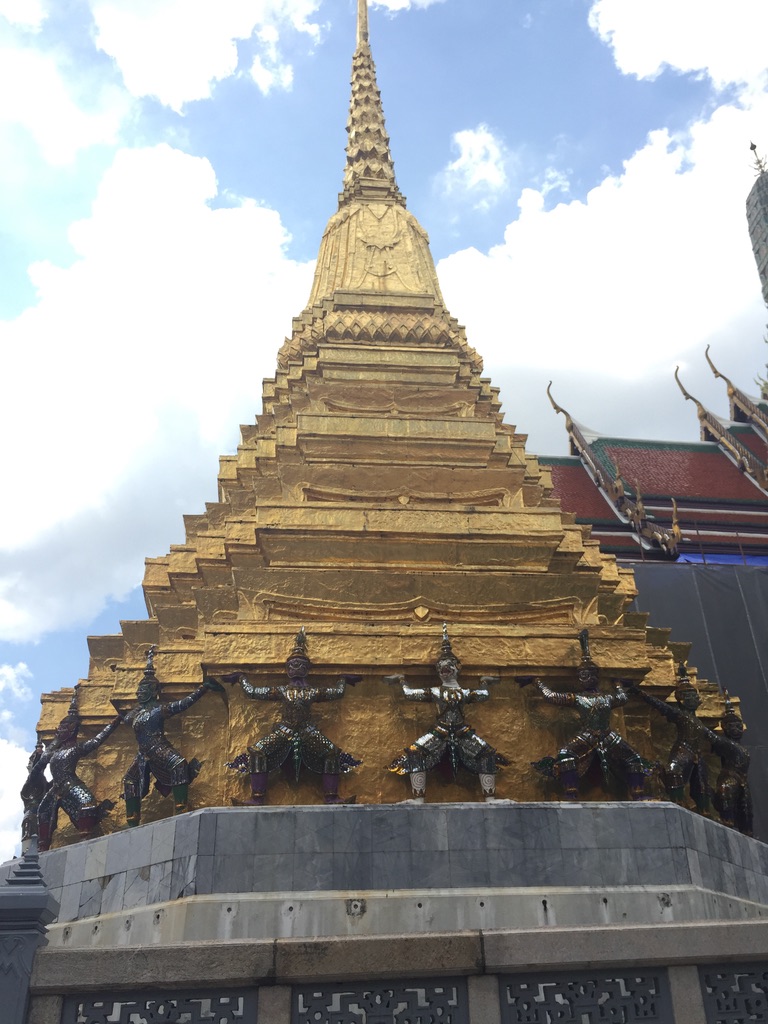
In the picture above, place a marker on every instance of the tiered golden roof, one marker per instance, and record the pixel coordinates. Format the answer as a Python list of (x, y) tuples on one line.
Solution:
[(379, 493)]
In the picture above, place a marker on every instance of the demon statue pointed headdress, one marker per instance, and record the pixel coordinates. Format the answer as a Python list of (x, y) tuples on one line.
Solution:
[(446, 651), (684, 682), (587, 671), (299, 649), (730, 714)]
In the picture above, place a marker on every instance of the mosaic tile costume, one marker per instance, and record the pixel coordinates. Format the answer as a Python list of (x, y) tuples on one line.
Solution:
[(67, 790), (686, 764), (295, 737), (596, 738), (732, 799), (157, 756), (451, 736)]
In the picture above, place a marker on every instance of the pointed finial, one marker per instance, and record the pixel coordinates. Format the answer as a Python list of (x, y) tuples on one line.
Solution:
[(677, 533), (618, 483), (716, 372), (680, 384), (446, 651), (559, 408), (150, 654), (730, 713), (712, 366), (73, 708), (759, 163), (369, 169), (639, 500), (584, 644), (684, 682), (299, 649), (362, 22)]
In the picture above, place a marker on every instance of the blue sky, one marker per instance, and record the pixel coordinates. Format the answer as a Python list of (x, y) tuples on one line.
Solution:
[(169, 166)]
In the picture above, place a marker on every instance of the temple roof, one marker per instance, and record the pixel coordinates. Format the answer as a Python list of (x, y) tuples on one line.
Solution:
[(681, 469), (672, 499)]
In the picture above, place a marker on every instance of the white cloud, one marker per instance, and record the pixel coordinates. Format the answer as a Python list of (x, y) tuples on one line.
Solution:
[(13, 772), (724, 41), (161, 330), (13, 679), (268, 71), (28, 14), (479, 173), (654, 263), (267, 78), (403, 5), (13, 756), (175, 49), (63, 109)]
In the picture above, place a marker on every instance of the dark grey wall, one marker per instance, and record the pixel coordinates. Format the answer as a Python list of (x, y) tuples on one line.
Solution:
[(723, 610)]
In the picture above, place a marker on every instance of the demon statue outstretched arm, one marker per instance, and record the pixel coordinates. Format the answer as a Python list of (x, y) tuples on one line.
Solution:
[(686, 762), (451, 735), (595, 737), (295, 736), (67, 790), (156, 756), (34, 789), (732, 799)]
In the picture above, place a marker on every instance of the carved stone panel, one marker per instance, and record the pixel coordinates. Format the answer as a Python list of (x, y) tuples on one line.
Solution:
[(735, 993), (397, 1002), (221, 1007), (589, 997)]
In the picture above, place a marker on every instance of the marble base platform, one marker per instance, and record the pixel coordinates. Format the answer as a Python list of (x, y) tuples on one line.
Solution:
[(313, 870)]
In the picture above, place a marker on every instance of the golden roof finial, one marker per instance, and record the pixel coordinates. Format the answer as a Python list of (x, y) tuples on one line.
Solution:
[(686, 395), (618, 483), (712, 366), (677, 533), (559, 408), (639, 500)]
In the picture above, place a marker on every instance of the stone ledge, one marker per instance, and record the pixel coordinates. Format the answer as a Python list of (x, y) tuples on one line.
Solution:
[(227, 917), (286, 961)]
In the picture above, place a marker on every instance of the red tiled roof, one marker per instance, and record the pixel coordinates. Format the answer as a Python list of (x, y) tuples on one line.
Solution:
[(577, 492), (691, 471), (752, 440)]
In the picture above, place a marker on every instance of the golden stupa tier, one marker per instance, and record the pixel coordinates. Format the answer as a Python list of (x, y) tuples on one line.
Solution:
[(379, 494)]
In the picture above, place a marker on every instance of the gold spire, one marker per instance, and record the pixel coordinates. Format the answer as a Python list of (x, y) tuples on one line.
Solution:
[(362, 21), (370, 172), (374, 253)]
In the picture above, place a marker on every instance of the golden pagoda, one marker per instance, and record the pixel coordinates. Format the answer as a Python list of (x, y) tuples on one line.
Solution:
[(379, 494)]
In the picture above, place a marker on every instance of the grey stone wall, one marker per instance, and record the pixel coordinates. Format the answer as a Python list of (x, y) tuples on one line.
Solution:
[(403, 847)]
